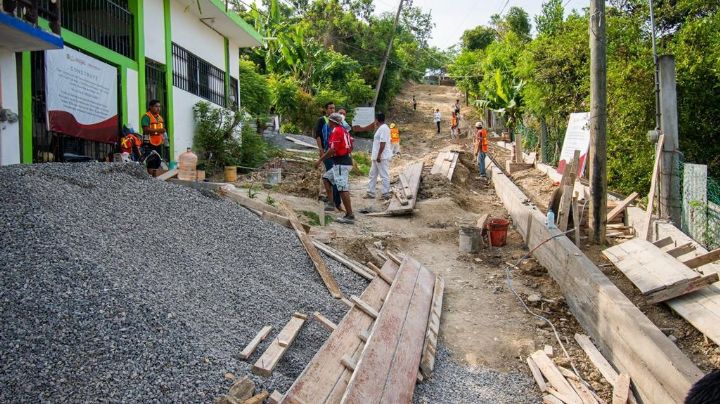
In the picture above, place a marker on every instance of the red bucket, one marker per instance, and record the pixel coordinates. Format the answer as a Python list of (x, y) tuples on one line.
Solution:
[(497, 229)]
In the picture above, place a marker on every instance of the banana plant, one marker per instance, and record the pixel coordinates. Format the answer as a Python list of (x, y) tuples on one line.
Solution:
[(505, 99)]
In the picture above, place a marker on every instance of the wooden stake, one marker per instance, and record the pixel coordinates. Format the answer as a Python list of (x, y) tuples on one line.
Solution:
[(653, 185)]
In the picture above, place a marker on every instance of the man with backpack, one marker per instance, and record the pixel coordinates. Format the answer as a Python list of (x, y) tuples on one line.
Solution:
[(337, 177), (322, 133)]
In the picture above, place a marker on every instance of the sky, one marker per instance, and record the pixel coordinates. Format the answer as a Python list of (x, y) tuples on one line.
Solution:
[(453, 17)]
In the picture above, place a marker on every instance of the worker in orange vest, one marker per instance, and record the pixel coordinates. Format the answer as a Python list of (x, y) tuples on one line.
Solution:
[(154, 132), (130, 143), (395, 138), (480, 146)]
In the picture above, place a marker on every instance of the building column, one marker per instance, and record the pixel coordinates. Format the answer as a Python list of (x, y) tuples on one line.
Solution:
[(26, 121), (169, 112)]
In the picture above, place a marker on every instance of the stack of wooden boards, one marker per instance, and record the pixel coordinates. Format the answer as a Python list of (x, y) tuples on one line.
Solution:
[(658, 274), (406, 196), (445, 163), (375, 354), (561, 385)]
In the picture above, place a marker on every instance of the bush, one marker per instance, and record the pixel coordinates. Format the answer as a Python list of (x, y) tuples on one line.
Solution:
[(254, 90), (289, 127), (362, 163)]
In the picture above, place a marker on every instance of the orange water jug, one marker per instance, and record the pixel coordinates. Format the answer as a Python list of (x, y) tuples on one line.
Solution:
[(187, 163)]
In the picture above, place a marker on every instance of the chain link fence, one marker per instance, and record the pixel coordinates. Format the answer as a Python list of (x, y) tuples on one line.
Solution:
[(700, 205)]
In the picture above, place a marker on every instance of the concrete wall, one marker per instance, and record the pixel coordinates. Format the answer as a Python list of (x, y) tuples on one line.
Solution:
[(154, 24), (9, 132), (133, 108), (234, 60), (183, 122), (190, 33)]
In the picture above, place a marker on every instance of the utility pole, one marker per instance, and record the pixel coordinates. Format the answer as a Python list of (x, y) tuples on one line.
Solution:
[(669, 200), (387, 55), (598, 122)]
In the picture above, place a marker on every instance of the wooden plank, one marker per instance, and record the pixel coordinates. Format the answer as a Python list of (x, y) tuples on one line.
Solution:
[(317, 260), (394, 257), (348, 362), (653, 184), (400, 197), (275, 398), (550, 399), (621, 206), (563, 398), (366, 308), (597, 359), (621, 389), (324, 321), (682, 288), (387, 370), (427, 362), (257, 398), (379, 273), (585, 394), (663, 242), (659, 370), (252, 346), (168, 174), (451, 169), (301, 143), (413, 174), (554, 377), (325, 375), (537, 375), (405, 186), (353, 265), (682, 250), (648, 267), (231, 192), (568, 187), (704, 259), (576, 219), (272, 355), (439, 161)]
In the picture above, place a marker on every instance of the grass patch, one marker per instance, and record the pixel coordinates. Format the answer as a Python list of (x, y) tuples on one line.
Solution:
[(314, 218), (362, 163)]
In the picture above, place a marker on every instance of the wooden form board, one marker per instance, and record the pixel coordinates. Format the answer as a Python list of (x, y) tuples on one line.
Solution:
[(275, 351), (317, 260), (388, 368), (621, 206), (647, 266), (554, 377), (325, 378), (301, 142), (355, 266), (231, 192), (702, 307), (606, 370), (412, 174), (703, 259), (427, 363), (252, 345), (445, 163), (168, 174), (661, 372), (653, 185)]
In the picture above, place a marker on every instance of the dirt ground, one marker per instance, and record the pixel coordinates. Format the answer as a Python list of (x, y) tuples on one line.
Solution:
[(706, 354)]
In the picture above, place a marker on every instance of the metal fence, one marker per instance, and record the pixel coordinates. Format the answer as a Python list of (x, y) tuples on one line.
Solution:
[(701, 205)]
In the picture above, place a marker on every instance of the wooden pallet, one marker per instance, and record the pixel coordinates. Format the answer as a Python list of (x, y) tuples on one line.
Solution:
[(445, 163), (412, 174)]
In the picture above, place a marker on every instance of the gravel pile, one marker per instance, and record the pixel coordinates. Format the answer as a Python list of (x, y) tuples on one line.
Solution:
[(452, 382), (118, 287)]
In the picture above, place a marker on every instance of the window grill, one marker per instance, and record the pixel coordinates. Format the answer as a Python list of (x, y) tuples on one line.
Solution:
[(196, 76)]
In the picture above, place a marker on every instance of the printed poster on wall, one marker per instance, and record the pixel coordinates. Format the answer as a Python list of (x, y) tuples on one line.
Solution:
[(577, 137), (81, 96), (364, 116)]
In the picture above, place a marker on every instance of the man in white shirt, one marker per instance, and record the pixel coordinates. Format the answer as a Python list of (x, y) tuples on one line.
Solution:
[(380, 156), (436, 117)]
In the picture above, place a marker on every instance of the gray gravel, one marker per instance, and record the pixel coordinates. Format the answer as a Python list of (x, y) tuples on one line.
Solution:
[(116, 287), (453, 382)]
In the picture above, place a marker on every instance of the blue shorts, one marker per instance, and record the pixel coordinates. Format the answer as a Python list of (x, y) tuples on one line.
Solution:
[(339, 176)]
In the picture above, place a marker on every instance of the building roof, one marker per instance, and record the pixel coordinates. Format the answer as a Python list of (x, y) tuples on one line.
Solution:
[(217, 16), (19, 35)]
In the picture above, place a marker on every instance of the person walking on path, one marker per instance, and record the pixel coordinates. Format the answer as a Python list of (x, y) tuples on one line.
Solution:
[(395, 138), (322, 132), (436, 118), (453, 125), (480, 147), (338, 175), (414, 103), (380, 156)]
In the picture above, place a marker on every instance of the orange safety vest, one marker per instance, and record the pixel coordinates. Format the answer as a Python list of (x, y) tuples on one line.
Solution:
[(395, 135), (156, 123), (481, 142), (127, 142)]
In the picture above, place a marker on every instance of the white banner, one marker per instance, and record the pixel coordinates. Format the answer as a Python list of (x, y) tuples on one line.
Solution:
[(81, 95), (577, 137)]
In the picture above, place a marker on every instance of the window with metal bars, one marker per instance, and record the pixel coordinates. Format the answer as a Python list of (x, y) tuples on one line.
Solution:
[(105, 22), (196, 76)]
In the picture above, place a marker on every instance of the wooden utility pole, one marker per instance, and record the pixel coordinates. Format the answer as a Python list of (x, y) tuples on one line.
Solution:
[(387, 55), (598, 121)]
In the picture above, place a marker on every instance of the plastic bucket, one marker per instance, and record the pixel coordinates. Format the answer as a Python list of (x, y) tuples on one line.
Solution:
[(497, 229), (230, 174), (274, 176), (173, 165)]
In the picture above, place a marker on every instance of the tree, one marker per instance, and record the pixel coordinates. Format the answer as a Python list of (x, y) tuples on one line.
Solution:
[(477, 38), (516, 20), (550, 20)]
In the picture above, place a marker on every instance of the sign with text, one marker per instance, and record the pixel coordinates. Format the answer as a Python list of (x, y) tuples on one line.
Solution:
[(577, 137), (81, 96), (364, 116)]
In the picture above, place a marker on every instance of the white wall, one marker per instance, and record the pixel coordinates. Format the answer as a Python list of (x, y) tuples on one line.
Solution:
[(234, 50), (154, 24), (134, 108), (183, 122), (9, 132), (190, 33)]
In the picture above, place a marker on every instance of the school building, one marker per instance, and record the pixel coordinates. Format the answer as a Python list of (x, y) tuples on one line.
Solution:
[(68, 93)]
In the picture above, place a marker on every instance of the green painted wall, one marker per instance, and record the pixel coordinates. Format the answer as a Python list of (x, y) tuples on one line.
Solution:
[(169, 112), (26, 109)]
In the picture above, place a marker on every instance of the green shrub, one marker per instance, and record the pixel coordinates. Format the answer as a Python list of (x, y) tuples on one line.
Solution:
[(254, 90), (289, 127), (362, 163)]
